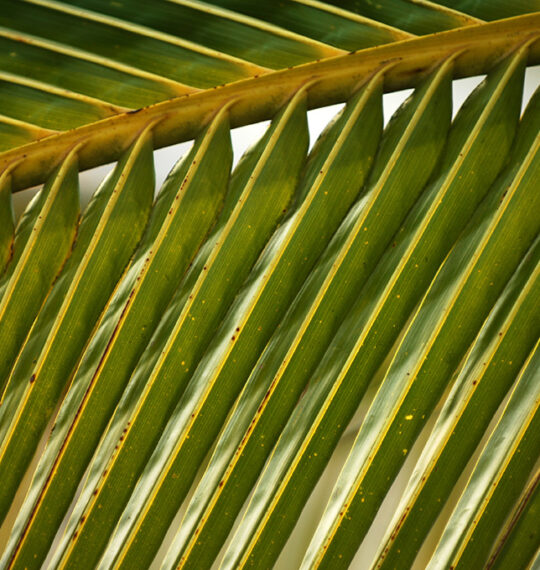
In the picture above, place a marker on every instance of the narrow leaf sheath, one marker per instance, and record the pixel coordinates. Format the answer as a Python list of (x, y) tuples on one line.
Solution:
[(7, 226), (402, 166), (110, 229), (323, 199), (43, 241), (447, 321), (183, 214), (268, 186), (488, 120)]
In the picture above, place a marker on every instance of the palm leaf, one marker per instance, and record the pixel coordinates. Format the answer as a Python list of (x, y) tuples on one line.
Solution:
[(205, 354)]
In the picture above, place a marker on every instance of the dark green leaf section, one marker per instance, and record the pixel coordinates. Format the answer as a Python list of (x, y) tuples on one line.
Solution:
[(492, 9), (49, 109), (110, 229), (43, 241), (186, 208), (7, 222), (448, 319), (374, 321), (70, 71), (145, 52), (415, 17), (498, 479), (341, 30), (332, 180), (263, 188), (520, 536), (409, 151), (492, 365), (267, 47)]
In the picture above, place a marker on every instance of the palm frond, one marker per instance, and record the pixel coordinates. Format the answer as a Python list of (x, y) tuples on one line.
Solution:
[(206, 353)]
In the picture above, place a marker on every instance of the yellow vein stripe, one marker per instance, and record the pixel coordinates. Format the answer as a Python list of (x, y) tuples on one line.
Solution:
[(467, 19), (251, 68), (325, 50), (75, 284), (508, 458), (330, 8), (209, 385), (108, 108), (406, 258), (179, 88), (39, 132), (379, 186), (421, 359)]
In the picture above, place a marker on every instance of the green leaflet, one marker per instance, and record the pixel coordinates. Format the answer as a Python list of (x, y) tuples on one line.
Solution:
[(65, 68), (451, 313), (500, 349), (498, 478), (268, 46), (333, 173), (42, 242), (415, 17), (263, 188), (408, 153), (185, 209), (175, 60), (492, 9), (110, 229), (7, 224), (343, 29), (519, 537), (487, 121)]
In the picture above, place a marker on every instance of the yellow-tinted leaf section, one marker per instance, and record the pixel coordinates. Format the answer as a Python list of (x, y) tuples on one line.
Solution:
[(109, 231), (43, 240)]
